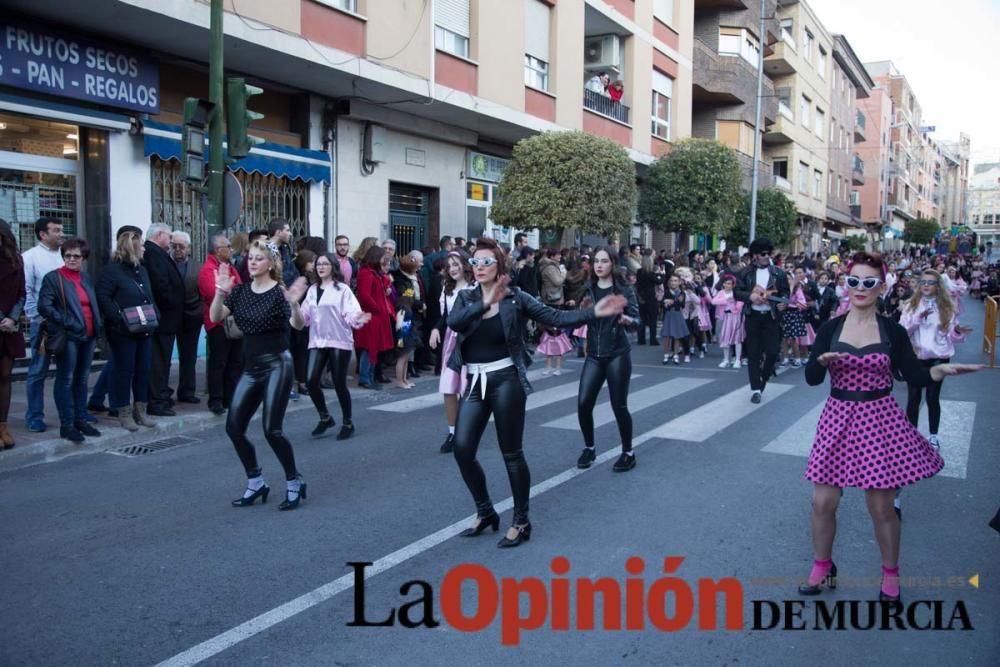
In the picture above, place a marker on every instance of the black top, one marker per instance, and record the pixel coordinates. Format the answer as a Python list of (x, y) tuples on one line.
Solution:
[(487, 343), (606, 337), (122, 286), (263, 319)]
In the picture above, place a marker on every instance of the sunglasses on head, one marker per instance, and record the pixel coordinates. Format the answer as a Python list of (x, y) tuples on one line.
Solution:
[(482, 261), (871, 282)]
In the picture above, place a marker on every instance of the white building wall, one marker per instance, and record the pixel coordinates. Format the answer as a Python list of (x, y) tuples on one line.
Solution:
[(131, 185), (363, 201)]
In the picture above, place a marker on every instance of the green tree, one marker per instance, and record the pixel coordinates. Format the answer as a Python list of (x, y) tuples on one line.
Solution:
[(559, 180), (853, 244), (921, 230), (694, 189), (775, 218)]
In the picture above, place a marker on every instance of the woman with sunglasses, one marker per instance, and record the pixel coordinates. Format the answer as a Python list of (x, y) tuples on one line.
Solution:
[(863, 438), (931, 319), (490, 322)]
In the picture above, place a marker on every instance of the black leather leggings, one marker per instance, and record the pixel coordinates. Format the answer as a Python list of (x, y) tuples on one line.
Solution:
[(338, 361), (618, 372), (266, 378), (913, 394), (506, 400)]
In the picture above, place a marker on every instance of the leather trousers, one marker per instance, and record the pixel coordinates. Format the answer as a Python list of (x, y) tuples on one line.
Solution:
[(267, 379), (338, 361), (618, 373), (506, 400)]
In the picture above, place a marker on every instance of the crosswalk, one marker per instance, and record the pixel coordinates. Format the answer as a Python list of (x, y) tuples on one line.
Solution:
[(790, 423)]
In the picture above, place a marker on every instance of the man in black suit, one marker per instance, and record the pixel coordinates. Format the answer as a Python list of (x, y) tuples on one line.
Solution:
[(764, 289), (168, 291), (190, 329)]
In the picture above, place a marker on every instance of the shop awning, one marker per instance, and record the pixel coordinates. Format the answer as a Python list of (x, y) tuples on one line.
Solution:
[(164, 141), (67, 113)]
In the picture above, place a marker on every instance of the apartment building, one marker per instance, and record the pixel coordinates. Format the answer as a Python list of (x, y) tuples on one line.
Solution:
[(984, 203), (387, 119), (849, 85), (869, 199), (798, 145), (953, 180)]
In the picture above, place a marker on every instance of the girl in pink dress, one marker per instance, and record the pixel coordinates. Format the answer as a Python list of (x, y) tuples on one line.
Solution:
[(458, 276), (554, 345), (729, 315), (843, 295)]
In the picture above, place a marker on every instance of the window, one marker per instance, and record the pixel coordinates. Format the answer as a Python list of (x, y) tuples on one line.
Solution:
[(785, 103), (855, 198), (788, 32), (817, 183), (663, 88), (833, 129), (829, 182), (807, 45), (820, 119), (821, 63), (739, 42), (536, 44), (804, 105), (347, 5), (664, 11), (803, 178), (780, 168), (451, 33)]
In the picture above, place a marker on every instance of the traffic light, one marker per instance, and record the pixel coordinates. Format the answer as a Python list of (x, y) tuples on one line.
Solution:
[(197, 115), (238, 117)]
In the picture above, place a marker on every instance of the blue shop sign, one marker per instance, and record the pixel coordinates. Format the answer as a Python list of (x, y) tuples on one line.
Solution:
[(49, 61)]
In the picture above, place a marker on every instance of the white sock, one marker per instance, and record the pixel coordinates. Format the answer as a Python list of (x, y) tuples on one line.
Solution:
[(293, 486), (451, 430), (254, 484)]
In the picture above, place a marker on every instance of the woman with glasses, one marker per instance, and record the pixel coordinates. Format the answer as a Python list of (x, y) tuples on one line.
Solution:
[(11, 306), (863, 438), (931, 319), (331, 313), (68, 303), (490, 322)]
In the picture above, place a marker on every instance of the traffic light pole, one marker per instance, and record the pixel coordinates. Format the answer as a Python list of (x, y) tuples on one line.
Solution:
[(216, 92)]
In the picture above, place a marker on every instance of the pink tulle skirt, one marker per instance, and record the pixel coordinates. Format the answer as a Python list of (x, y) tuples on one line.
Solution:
[(731, 329), (554, 346), (704, 320), (810, 336), (450, 382), (580, 331)]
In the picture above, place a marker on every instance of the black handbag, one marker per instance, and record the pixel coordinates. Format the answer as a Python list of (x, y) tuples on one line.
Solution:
[(140, 319), (54, 342)]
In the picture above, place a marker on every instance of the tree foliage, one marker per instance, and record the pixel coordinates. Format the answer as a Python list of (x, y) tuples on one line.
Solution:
[(775, 218), (558, 180), (695, 189), (853, 244), (921, 230)]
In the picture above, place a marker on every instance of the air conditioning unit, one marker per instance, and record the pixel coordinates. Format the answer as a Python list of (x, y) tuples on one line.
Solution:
[(602, 52)]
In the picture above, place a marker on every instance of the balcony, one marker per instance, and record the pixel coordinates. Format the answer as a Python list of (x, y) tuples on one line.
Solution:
[(859, 127), (605, 106), (781, 62), (728, 80), (783, 184), (765, 177), (856, 211), (857, 171), (780, 132)]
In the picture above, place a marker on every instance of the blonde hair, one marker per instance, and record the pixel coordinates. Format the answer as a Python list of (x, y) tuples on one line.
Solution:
[(366, 243), (273, 257), (125, 251), (240, 242), (944, 303)]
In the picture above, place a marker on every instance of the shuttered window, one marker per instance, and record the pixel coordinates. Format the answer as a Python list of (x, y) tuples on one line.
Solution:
[(451, 29), (536, 29)]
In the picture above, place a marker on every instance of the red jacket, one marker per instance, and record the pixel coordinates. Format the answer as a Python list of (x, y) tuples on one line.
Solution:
[(376, 336), (206, 285)]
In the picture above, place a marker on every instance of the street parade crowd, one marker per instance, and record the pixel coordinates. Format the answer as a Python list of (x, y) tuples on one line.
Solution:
[(284, 317)]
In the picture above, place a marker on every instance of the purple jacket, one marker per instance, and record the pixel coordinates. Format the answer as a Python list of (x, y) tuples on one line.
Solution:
[(333, 318)]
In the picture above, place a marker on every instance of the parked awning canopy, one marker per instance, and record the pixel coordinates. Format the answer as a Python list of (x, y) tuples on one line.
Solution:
[(67, 113), (164, 141)]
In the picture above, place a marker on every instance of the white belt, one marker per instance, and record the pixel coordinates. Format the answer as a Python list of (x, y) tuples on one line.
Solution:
[(479, 373)]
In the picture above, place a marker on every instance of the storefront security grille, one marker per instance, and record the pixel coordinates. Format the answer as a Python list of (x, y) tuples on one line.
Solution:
[(21, 205), (264, 197)]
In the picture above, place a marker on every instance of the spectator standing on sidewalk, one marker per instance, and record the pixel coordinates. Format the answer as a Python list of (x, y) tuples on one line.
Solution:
[(38, 261), (168, 294), (281, 236), (11, 306), (225, 353), (190, 329)]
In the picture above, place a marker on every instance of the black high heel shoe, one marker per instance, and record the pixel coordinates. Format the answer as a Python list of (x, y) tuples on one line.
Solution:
[(829, 581), (288, 503), (323, 426), (492, 521), (523, 535), (246, 501)]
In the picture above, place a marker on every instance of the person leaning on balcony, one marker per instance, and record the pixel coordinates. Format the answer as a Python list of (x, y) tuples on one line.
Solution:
[(599, 83), (616, 90)]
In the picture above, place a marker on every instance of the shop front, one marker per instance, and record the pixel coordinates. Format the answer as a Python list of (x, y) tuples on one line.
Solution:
[(483, 174)]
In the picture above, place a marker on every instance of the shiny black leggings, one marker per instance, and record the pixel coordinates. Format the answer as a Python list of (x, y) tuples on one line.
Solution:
[(266, 378), (913, 394), (505, 399), (338, 361), (618, 372)]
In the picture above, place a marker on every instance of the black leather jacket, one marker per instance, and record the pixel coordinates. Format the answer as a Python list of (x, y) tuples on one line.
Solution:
[(605, 336), (777, 280), (515, 309)]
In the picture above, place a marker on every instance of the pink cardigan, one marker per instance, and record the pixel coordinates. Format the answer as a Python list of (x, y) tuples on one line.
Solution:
[(333, 318), (929, 342), (723, 300)]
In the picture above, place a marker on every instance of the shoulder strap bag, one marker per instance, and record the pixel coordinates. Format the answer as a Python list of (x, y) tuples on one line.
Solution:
[(140, 319)]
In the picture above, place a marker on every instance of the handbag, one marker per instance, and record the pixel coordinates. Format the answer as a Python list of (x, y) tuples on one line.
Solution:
[(54, 343), (231, 329), (140, 319)]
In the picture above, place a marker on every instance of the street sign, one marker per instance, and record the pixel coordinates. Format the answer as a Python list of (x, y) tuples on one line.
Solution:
[(232, 196)]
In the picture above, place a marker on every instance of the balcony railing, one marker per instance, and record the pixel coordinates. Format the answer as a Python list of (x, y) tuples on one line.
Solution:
[(605, 106), (860, 120), (858, 164), (856, 211)]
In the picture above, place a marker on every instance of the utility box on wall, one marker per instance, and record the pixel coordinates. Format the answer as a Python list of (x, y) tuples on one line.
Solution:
[(376, 143)]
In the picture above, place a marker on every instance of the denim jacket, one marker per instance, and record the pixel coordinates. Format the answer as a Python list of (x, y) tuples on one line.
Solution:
[(515, 309)]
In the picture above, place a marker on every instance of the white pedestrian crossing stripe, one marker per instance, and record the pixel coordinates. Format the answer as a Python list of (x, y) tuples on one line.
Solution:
[(637, 401), (957, 421)]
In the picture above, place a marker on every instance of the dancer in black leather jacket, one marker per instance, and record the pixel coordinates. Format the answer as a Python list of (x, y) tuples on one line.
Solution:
[(490, 323), (609, 357)]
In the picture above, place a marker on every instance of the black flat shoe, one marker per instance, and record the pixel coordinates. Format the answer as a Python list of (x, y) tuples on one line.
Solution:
[(885, 597), (70, 433), (97, 407), (290, 503), (587, 457), (448, 445), (323, 426), (624, 463), (373, 387), (246, 501), (523, 535), (829, 581), (346, 431), (87, 429), (492, 521)]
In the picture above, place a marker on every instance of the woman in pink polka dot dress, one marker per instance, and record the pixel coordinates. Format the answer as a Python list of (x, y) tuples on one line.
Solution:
[(863, 438)]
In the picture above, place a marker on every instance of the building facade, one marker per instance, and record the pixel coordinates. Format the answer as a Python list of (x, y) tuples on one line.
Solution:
[(869, 199), (984, 203)]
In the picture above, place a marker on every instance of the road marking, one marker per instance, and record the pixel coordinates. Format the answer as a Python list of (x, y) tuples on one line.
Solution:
[(797, 439), (640, 400), (434, 399), (703, 422), (540, 399)]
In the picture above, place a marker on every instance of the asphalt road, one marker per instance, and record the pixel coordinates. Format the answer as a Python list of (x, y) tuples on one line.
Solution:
[(111, 560)]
